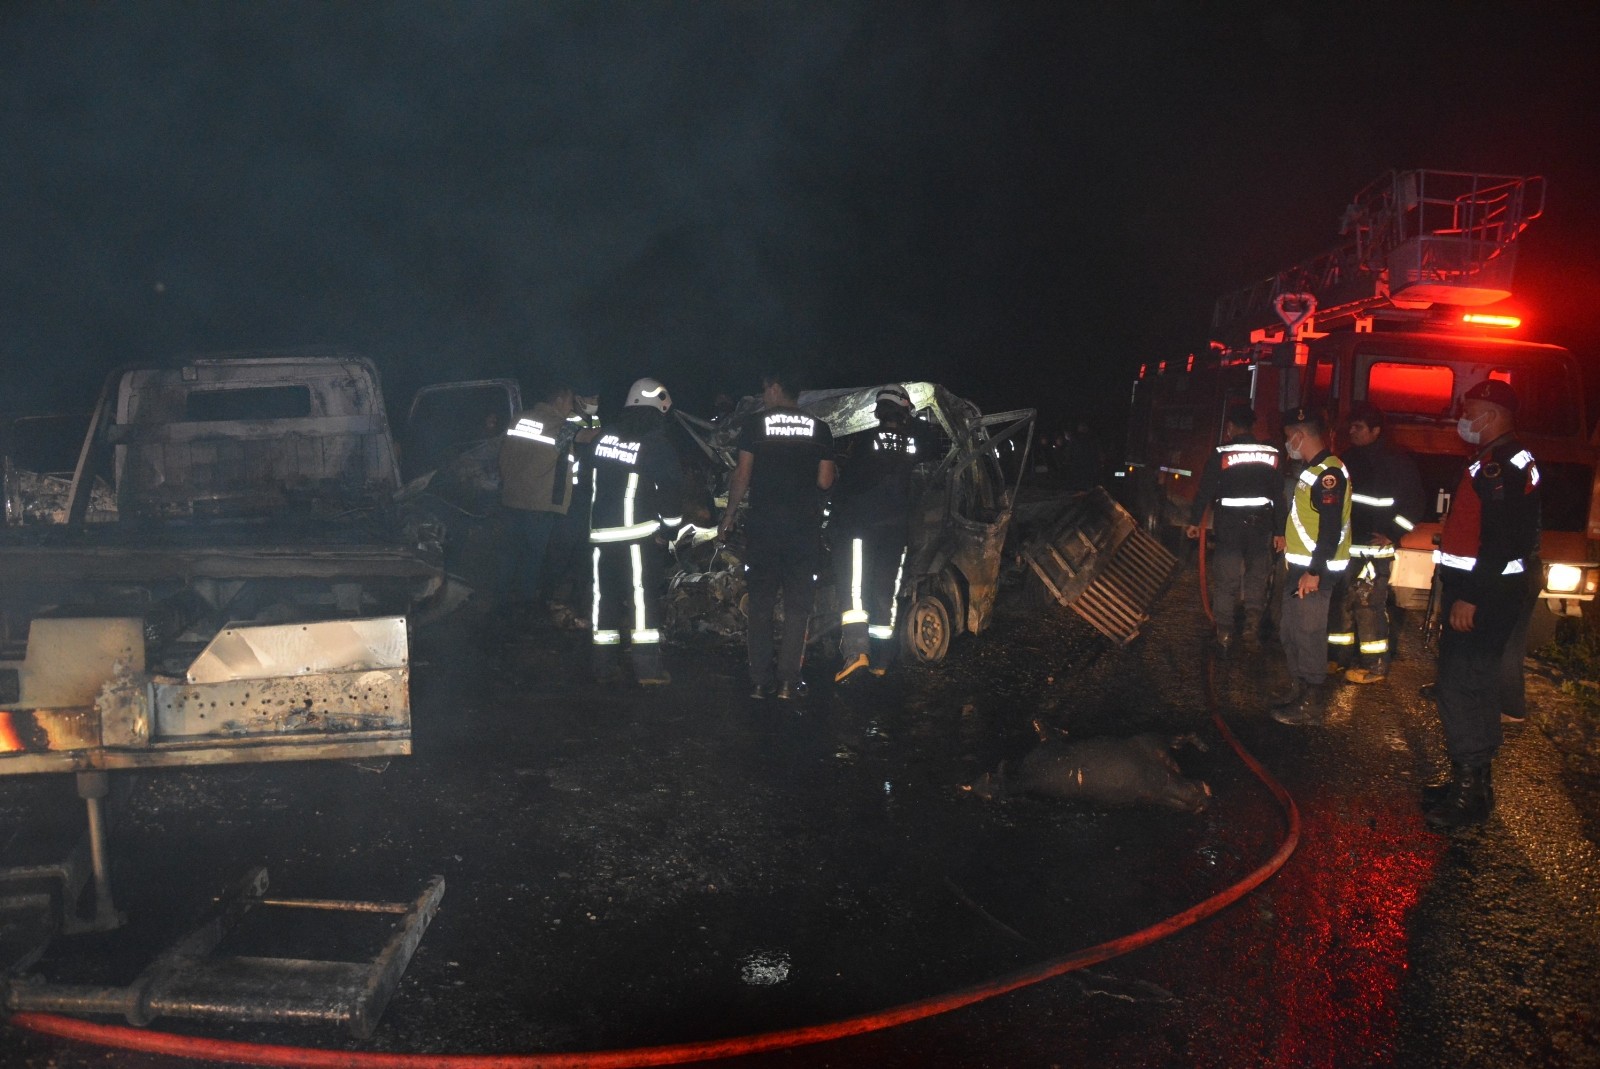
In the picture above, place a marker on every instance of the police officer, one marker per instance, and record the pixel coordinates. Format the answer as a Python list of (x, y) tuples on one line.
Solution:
[(1490, 576), (1242, 483), (636, 509), (1316, 548), (870, 523), (1385, 502), (535, 492), (785, 466)]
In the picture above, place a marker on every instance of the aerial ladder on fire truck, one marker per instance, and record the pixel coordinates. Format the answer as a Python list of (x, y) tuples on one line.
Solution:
[(1412, 240)]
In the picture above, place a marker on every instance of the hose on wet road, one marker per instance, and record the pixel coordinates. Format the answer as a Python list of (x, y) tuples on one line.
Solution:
[(140, 1040)]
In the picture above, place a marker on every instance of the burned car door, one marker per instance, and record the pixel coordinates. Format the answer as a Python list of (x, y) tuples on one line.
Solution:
[(453, 429)]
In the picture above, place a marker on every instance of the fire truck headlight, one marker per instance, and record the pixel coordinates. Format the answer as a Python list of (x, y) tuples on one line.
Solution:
[(1563, 579)]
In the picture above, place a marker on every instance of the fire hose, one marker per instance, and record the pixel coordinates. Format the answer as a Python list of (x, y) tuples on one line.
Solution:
[(127, 1038)]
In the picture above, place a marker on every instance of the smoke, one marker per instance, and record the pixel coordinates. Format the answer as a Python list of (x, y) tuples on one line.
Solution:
[(689, 190), (1022, 200)]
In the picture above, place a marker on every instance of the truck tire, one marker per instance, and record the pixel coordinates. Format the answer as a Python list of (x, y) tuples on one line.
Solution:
[(925, 636)]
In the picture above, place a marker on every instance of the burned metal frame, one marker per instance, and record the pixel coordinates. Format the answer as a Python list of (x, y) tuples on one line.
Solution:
[(328, 690), (332, 690), (188, 981)]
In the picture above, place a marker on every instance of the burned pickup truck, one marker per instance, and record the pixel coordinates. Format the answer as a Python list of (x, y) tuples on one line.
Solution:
[(967, 536), (252, 488)]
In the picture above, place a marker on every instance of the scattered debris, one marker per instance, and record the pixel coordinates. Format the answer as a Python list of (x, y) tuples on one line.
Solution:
[(763, 968)]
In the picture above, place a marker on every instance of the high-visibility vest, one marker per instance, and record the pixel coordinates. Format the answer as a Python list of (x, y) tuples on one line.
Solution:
[(1299, 538)]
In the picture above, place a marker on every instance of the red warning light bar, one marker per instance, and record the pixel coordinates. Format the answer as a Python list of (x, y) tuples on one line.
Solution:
[(1484, 319)]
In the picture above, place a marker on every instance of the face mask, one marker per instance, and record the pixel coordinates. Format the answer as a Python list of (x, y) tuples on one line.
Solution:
[(1294, 450), (589, 408), (1466, 428)]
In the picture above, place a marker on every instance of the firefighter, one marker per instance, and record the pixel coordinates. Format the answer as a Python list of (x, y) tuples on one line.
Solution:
[(869, 525), (570, 565), (635, 512), (1490, 575), (1243, 485), (1385, 502), (785, 466), (1316, 549), (535, 492)]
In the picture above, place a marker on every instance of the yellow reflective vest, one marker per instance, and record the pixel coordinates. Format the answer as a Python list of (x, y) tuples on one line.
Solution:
[(1305, 522)]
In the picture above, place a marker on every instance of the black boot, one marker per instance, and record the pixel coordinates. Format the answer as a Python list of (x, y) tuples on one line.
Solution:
[(1309, 712), (1437, 794), (1469, 804), (1252, 632), (1290, 696)]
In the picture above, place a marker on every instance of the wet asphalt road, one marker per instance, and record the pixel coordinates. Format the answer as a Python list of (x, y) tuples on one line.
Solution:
[(631, 868)]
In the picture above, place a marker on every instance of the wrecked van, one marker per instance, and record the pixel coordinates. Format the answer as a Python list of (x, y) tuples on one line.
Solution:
[(962, 509)]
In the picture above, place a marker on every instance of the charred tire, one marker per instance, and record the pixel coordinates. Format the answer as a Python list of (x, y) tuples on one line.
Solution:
[(926, 635)]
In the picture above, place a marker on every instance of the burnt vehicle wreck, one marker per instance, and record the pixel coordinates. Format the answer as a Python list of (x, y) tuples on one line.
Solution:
[(969, 533), (224, 578), (250, 488)]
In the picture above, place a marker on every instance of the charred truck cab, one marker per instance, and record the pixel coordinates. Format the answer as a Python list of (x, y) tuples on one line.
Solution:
[(1397, 317), (259, 487)]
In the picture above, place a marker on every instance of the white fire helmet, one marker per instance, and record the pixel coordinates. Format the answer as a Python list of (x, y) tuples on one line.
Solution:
[(895, 394), (649, 392)]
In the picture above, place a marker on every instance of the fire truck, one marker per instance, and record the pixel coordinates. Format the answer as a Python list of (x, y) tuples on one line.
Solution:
[(1407, 313)]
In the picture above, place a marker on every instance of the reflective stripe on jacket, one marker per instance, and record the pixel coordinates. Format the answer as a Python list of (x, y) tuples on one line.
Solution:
[(1302, 533)]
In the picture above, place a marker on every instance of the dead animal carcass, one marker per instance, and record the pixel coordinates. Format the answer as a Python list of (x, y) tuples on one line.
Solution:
[(1102, 771)]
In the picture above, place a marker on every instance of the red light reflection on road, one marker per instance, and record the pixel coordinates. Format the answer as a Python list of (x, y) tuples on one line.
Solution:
[(1344, 906)]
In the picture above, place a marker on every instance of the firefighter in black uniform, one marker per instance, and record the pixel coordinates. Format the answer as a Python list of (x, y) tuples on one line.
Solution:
[(1243, 484), (1490, 575), (870, 523), (785, 465), (636, 510), (1385, 503)]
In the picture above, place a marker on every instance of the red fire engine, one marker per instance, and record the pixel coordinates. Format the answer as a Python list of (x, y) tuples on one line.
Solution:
[(1398, 315)]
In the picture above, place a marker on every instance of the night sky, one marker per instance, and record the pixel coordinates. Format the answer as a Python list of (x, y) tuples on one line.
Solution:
[(1023, 201)]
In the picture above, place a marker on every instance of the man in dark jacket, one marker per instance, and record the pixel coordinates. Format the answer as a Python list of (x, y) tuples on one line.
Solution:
[(636, 510), (785, 465), (1490, 576), (1385, 503), (1242, 483), (535, 491)]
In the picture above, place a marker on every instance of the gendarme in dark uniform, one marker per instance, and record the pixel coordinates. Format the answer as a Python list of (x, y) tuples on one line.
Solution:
[(1242, 483), (1316, 549), (785, 466), (1490, 576)]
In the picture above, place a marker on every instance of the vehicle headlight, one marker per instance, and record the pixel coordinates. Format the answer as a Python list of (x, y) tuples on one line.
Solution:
[(1563, 579)]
